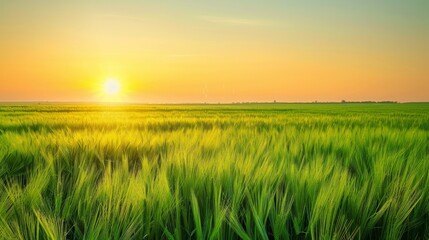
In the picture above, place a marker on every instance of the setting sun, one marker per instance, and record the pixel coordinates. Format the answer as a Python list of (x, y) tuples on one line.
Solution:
[(112, 87)]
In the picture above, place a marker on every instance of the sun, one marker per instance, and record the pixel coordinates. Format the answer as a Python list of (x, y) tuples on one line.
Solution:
[(112, 87)]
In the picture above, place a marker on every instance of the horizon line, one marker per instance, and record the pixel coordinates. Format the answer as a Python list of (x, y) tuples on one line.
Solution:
[(211, 103)]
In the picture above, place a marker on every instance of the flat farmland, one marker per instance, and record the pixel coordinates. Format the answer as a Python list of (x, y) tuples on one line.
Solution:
[(247, 171)]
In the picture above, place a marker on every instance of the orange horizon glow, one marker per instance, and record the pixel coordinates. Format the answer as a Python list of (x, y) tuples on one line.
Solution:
[(185, 52)]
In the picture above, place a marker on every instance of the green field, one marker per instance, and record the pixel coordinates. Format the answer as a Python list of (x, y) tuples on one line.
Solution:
[(267, 171)]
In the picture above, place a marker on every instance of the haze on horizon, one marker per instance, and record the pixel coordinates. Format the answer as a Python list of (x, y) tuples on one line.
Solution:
[(217, 51)]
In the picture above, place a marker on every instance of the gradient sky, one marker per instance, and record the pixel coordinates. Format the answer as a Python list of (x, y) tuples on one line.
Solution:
[(215, 51)]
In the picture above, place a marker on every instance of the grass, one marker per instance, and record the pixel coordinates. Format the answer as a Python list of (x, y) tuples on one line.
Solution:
[(268, 171)]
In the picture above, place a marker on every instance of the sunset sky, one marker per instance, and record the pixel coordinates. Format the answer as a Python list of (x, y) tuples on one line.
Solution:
[(214, 51)]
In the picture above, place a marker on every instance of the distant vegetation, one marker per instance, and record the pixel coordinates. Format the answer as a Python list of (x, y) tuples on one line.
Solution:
[(344, 101), (261, 171)]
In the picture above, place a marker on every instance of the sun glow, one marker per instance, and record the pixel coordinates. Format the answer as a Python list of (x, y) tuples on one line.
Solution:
[(112, 87)]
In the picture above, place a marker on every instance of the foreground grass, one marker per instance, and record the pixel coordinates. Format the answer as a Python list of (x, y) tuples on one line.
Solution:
[(328, 171)]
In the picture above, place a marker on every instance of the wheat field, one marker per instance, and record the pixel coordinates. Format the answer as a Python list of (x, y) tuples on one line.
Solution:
[(245, 171)]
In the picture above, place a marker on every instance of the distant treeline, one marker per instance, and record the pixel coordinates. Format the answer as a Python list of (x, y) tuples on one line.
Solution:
[(342, 101)]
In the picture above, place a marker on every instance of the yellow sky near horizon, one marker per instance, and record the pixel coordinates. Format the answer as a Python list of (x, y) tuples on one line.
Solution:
[(218, 52)]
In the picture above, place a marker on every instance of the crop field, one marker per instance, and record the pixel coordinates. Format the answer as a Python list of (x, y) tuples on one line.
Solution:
[(245, 171)]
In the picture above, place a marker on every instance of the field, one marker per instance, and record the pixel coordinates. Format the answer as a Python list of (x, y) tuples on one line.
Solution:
[(267, 171)]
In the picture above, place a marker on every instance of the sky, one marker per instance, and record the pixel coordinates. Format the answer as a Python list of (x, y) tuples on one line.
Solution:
[(214, 51)]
